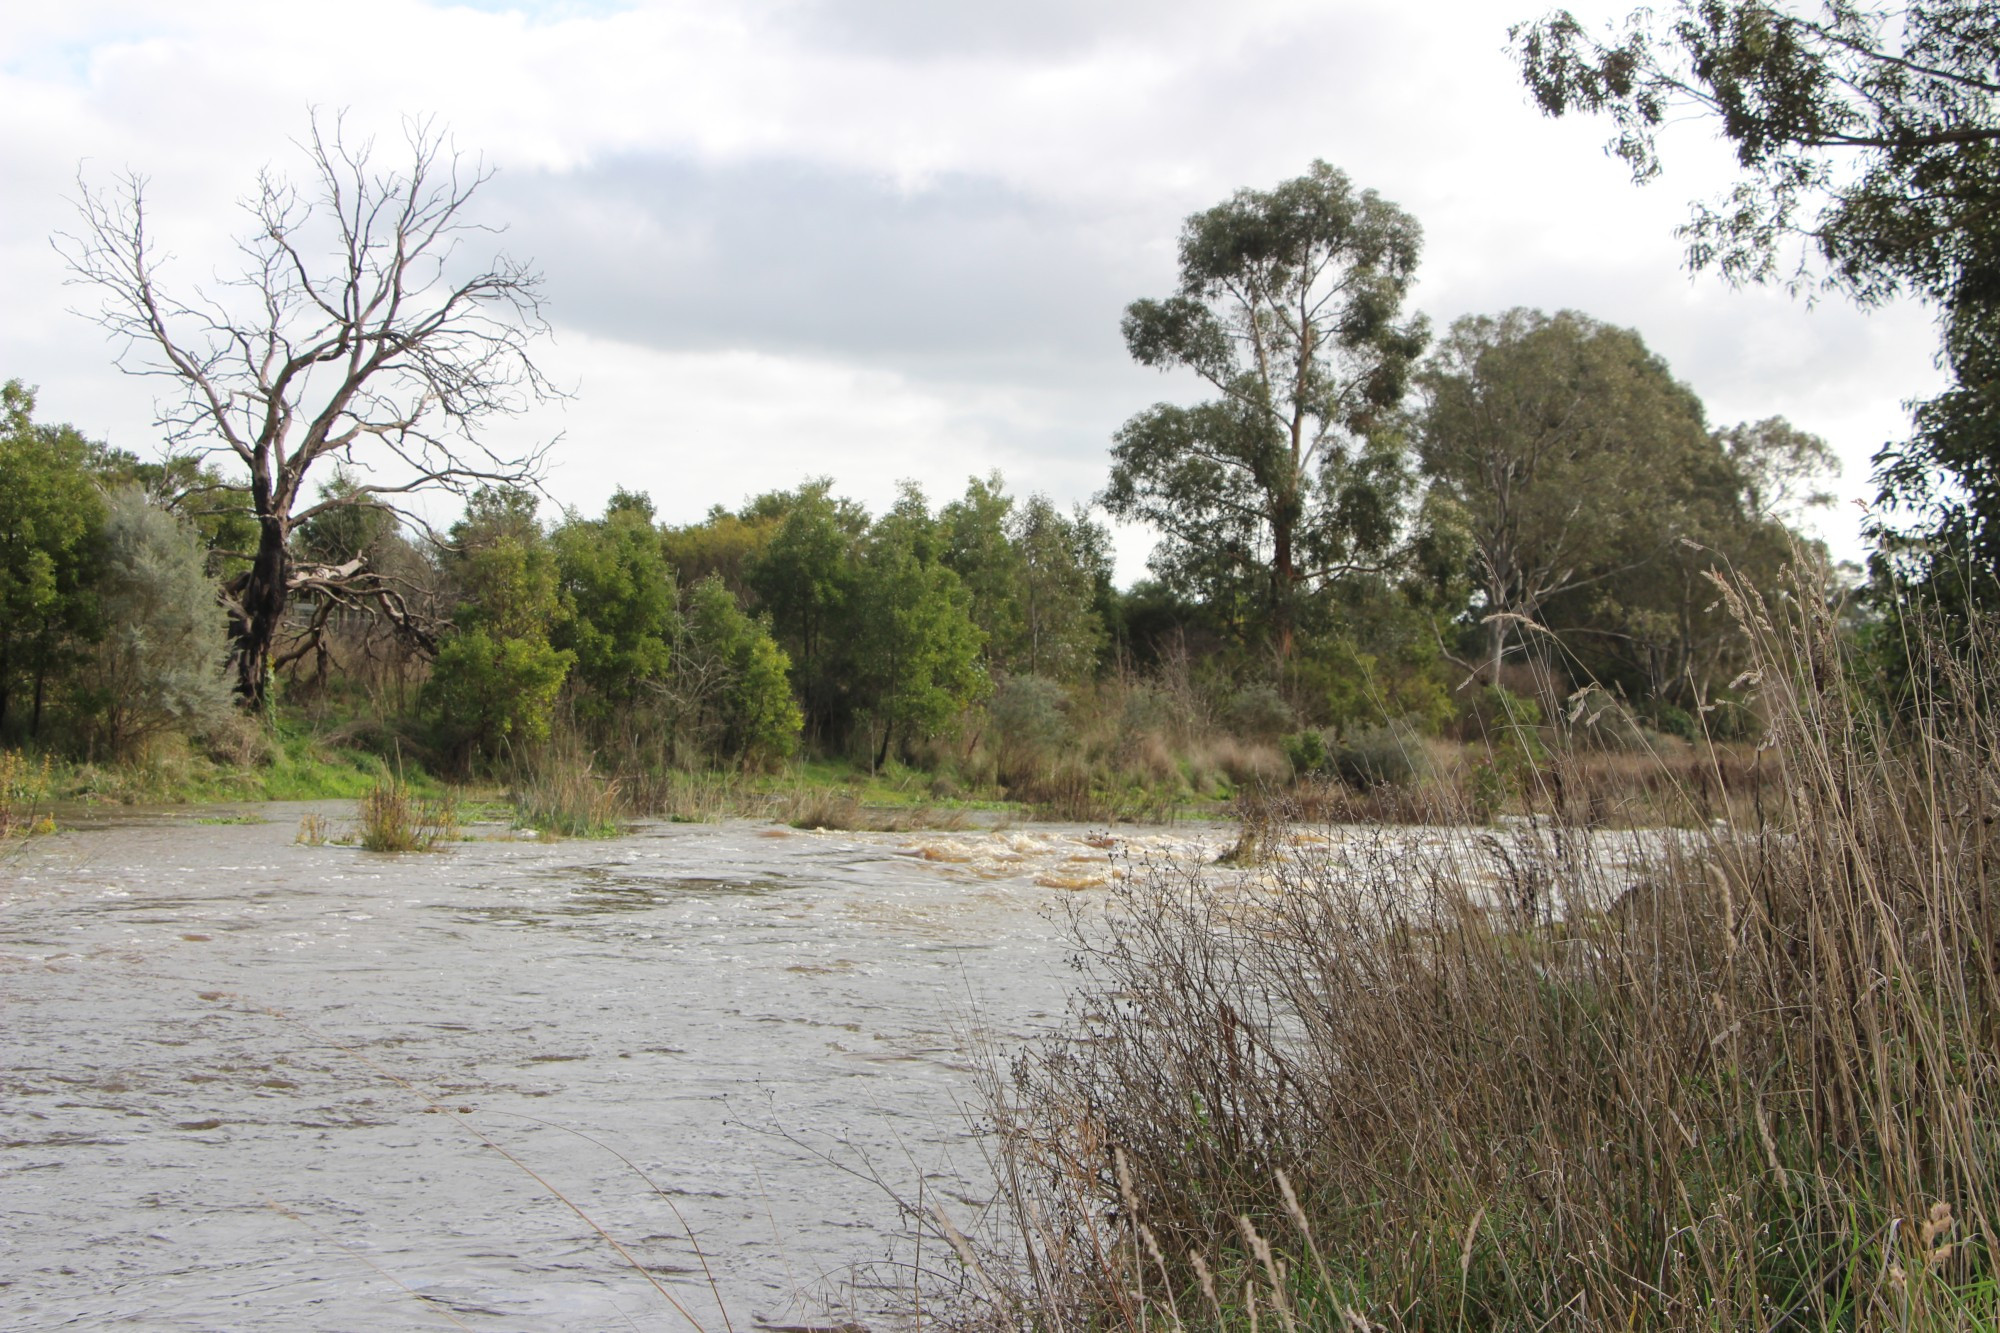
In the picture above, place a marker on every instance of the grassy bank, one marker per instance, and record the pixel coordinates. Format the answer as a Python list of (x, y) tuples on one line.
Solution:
[(1756, 1086)]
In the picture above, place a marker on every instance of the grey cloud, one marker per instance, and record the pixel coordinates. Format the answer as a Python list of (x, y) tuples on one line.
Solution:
[(927, 28), (961, 277)]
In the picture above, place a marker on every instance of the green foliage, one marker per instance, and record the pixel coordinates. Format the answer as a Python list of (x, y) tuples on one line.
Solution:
[(1030, 723), (1259, 712), (751, 712), (197, 493), (346, 523), (1597, 504), (1672, 721), (489, 696), (158, 663), (724, 544), (496, 679), (1595, 719), (805, 579), (1867, 138), (915, 650), (618, 604), (1391, 754), (1564, 442), (503, 567), (1307, 753), (989, 566), (1033, 576), (1290, 308), (1064, 578), (51, 517)]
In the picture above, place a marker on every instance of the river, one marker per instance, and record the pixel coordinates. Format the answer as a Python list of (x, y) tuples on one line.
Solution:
[(251, 1083)]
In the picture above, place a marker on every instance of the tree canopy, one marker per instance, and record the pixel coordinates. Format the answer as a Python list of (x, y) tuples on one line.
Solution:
[(1868, 137), (1290, 307)]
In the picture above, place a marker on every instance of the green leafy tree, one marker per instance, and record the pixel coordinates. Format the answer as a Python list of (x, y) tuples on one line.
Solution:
[(494, 686), (1655, 628), (158, 665), (1034, 577), (747, 704), (805, 580), (1566, 446), (1290, 308), (979, 549), (1868, 141), (724, 544), (1065, 577), (619, 604), (914, 648), (51, 518)]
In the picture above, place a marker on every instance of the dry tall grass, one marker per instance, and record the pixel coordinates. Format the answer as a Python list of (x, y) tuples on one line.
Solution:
[(1467, 1085), (395, 819)]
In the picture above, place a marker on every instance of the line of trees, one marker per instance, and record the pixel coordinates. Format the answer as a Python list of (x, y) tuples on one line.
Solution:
[(1361, 523), (1540, 513)]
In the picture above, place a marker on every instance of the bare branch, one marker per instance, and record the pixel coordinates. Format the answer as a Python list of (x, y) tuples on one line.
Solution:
[(355, 327)]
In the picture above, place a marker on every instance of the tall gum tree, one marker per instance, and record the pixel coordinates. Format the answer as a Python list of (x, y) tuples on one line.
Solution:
[(1867, 141), (1291, 308), (354, 330), (1567, 444)]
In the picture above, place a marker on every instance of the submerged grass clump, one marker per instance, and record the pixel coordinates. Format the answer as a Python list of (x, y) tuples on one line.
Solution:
[(394, 818), (1749, 1078), (568, 800), (24, 796)]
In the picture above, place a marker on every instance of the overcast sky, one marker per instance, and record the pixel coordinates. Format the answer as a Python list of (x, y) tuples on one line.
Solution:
[(890, 239)]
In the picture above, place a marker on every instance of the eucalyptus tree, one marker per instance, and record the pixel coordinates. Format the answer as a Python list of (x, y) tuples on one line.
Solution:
[(1290, 310), (1867, 137), (355, 331), (1568, 447)]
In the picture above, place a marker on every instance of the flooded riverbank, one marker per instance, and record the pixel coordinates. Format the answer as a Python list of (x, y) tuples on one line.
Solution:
[(256, 1084)]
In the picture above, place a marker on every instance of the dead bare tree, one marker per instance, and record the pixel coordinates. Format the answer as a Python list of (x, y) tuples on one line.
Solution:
[(354, 330)]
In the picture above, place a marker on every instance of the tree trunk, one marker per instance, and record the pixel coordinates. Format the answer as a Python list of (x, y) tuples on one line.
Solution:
[(260, 609), (1283, 574)]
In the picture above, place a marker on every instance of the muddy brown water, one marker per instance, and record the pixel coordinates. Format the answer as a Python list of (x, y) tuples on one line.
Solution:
[(253, 1084)]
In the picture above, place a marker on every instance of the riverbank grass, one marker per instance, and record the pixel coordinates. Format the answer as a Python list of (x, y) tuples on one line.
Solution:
[(1746, 1080)]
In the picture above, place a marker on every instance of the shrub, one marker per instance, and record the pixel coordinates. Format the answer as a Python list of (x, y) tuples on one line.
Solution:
[(488, 695), (1595, 719), (1672, 721), (1389, 755), (1259, 712), (1308, 754), (158, 666), (1030, 723)]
